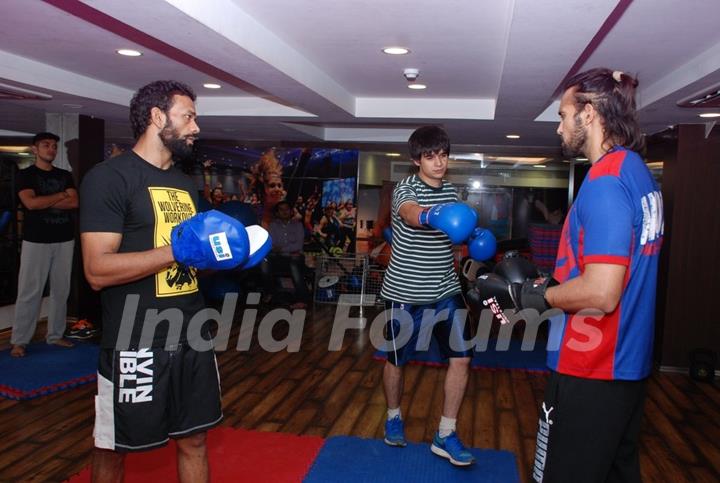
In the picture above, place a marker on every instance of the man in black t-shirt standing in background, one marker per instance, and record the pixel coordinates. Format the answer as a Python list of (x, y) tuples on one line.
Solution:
[(49, 197)]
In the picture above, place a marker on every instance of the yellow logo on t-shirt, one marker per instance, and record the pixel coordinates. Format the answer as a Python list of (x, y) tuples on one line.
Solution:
[(172, 206)]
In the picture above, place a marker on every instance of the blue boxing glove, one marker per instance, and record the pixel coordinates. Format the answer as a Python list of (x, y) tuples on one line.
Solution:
[(387, 235), (481, 244), (210, 240), (260, 245), (457, 220)]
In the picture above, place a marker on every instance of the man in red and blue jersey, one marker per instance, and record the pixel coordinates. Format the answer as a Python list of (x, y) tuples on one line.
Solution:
[(601, 298), (607, 270)]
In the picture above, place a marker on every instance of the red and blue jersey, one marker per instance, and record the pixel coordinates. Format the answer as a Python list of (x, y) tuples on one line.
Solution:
[(617, 218)]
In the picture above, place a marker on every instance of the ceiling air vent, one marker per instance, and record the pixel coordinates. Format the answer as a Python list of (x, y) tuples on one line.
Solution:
[(14, 93), (707, 98)]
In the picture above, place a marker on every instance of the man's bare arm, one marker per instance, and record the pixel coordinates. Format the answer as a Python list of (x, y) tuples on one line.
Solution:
[(410, 212), (71, 202), (104, 267), (599, 287), (31, 201)]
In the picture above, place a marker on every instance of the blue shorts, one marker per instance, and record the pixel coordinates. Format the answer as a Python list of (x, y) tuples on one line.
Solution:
[(451, 332)]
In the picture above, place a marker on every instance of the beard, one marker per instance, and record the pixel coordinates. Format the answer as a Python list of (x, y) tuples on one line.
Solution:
[(176, 143), (574, 147)]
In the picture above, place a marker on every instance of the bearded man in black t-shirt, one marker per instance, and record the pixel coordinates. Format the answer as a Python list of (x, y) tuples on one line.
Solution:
[(49, 199), (152, 382)]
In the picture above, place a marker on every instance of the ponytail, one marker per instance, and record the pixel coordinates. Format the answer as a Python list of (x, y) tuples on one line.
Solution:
[(612, 94)]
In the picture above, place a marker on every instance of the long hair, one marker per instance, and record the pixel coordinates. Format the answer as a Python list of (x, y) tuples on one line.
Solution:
[(156, 94), (612, 94), (268, 165)]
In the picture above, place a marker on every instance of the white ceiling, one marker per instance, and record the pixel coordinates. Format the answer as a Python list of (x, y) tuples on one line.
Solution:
[(312, 71)]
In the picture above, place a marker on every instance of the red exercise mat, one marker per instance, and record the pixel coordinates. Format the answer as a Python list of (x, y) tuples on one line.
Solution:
[(235, 455)]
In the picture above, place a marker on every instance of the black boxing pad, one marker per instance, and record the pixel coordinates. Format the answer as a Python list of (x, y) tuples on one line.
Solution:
[(492, 286), (471, 269), (516, 269), (492, 292)]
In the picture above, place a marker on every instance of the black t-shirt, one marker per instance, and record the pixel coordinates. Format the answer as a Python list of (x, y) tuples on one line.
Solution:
[(50, 225), (128, 195)]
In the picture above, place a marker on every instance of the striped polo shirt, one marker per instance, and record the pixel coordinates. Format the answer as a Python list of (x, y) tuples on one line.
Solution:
[(421, 269)]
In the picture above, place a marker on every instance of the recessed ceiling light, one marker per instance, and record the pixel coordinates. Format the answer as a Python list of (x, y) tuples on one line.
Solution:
[(710, 114), (393, 155), (516, 159), (210, 85), (396, 50), (73, 106), (467, 156), (129, 52), (13, 149), (416, 86), (512, 136), (539, 166)]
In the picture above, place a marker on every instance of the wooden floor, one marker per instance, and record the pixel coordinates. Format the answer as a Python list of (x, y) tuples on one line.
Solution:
[(324, 393)]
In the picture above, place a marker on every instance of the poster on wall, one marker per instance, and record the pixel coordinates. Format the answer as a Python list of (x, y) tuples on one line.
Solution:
[(319, 184)]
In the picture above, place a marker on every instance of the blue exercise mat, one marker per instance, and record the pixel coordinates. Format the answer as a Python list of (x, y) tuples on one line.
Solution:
[(353, 460), (495, 356), (46, 369)]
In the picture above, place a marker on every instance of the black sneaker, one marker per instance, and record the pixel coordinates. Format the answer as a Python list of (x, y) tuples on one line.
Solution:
[(81, 330)]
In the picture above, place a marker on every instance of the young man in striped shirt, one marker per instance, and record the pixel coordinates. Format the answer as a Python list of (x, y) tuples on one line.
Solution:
[(422, 290)]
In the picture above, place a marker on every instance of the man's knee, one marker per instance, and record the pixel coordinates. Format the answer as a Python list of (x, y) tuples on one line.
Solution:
[(460, 363), (392, 370), (192, 444), (106, 464), (109, 456)]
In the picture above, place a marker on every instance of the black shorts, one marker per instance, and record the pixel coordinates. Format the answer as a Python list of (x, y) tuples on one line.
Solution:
[(146, 397), (451, 332), (589, 430)]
